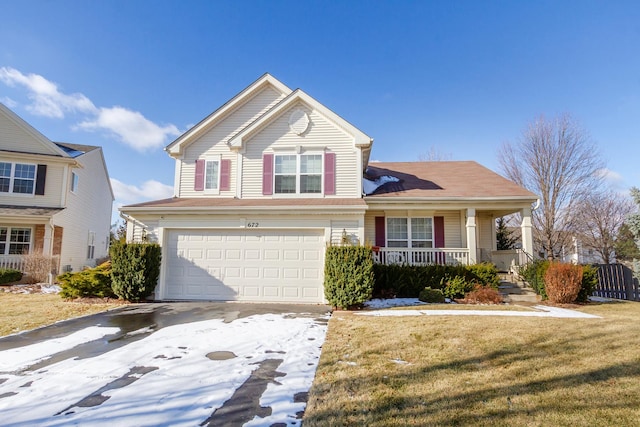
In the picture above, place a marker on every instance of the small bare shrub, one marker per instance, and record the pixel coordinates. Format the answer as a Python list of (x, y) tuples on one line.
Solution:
[(563, 282), (483, 295), (38, 266)]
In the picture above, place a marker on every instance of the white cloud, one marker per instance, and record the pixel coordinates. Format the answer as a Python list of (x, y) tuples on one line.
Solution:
[(127, 194), (612, 178), (46, 99), (8, 102), (130, 127)]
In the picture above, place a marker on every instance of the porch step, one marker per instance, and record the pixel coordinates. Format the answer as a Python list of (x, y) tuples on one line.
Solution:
[(517, 291)]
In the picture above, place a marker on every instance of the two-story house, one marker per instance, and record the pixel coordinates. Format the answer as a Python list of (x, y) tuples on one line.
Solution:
[(267, 181), (55, 198)]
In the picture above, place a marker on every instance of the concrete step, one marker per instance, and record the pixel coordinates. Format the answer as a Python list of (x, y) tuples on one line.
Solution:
[(532, 298)]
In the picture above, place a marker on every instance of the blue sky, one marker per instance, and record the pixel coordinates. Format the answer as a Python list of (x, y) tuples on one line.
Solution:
[(458, 77)]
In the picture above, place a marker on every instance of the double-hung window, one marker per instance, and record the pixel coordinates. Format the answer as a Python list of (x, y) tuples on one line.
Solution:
[(212, 174), (18, 178), (298, 174), (74, 182), (15, 240), (410, 232)]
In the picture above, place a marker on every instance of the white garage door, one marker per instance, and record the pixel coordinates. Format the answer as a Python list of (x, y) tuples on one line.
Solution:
[(248, 265)]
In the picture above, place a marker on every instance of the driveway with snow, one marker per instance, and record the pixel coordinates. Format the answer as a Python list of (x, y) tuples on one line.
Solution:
[(180, 364)]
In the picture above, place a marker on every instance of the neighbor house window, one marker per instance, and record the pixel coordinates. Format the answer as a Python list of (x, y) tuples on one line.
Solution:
[(211, 174), (15, 240), (298, 173), (74, 182), (410, 232), (91, 247), (17, 178)]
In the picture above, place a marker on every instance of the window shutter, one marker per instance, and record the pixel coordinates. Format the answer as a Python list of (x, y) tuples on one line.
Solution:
[(329, 173), (438, 231), (41, 179), (199, 179), (380, 236), (225, 174), (267, 174)]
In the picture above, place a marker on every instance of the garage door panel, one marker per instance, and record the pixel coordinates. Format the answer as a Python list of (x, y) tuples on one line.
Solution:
[(255, 265)]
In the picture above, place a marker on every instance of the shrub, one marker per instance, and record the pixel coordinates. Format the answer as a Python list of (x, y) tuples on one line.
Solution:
[(135, 268), (485, 273), (458, 287), (589, 283), (563, 282), (8, 275), (38, 266), (483, 295), (431, 295), (533, 273), (93, 282), (348, 275)]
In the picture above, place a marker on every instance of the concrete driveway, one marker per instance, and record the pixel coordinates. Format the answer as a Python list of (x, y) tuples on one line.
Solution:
[(161, 364)]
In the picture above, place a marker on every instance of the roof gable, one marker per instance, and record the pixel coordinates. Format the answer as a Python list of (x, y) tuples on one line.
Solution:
[(17, 135), (360, 139), (176, 147)]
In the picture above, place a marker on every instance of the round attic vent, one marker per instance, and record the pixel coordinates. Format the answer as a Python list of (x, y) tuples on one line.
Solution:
[(299, 122)]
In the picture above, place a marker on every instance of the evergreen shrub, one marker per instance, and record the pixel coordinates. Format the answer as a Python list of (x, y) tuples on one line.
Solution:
[(533, 273), (93, 282), (431, 295), (135, 268), (348, 275), (8, 275)]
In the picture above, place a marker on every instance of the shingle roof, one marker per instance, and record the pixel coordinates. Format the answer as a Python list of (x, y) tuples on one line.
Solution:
[(451, 179), (12, 210), (210, 202)]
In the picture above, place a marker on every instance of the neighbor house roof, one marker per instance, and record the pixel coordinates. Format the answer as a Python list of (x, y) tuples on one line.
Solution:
[(444, 180), (75, 150)]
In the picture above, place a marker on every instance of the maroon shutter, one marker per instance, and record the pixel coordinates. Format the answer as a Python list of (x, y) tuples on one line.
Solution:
[(41, 178), (267, 174), (199, 181), (329, 173), (225, 174), (438, 231), (380, 236)]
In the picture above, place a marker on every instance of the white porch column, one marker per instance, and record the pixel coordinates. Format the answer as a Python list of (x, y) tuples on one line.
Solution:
[(527, 234), (47, 246), (472, 244)]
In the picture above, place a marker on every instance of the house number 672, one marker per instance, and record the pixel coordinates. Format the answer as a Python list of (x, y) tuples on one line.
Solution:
[(252, 225)]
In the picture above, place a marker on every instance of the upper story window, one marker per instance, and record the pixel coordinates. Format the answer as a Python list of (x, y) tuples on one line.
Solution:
[(298, 174), (211, 174), (410, 232), (18, 178), (15, 240), (74, 182)]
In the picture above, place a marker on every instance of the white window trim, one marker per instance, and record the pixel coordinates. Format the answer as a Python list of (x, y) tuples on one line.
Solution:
[(8, 241), (298, 156), (91, 243), (409, 239), (75, 182), (204, 184), (12, 178)]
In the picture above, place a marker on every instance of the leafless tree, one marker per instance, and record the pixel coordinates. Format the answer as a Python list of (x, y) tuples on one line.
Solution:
[(599, 217), (433, 155), (555, 159)]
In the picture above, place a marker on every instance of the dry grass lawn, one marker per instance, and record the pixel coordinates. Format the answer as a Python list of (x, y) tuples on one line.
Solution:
[(21, 312), (498, 371)]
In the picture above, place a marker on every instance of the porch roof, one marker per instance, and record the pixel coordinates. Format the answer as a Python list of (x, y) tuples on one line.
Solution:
[(444, 180), (27, 211), (210, 203)]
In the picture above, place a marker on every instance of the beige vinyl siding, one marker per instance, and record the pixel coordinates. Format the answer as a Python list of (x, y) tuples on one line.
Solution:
[(15, 138), (370, 226), (323, 135), (214, 142), (340, 227), (52, 191), (87, 210), (484, 224)]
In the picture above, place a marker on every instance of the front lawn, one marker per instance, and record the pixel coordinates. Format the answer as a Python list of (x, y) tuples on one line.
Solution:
[(21, 312), (505, 371)]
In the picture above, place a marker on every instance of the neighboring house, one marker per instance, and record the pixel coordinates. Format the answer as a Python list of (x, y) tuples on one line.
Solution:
[(55, 198), (267, 181)]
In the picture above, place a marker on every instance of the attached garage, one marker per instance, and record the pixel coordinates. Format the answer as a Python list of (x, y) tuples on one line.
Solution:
[(244, 265)]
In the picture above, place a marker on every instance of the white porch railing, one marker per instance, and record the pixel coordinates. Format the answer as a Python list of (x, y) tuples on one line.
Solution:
[(12, 261), (421, 256)]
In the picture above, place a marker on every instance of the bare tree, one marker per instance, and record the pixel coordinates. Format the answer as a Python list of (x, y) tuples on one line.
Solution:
[(599, 217), (433, 155), (556, 160)]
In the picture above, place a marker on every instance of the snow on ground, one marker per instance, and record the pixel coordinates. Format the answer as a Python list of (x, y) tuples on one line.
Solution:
[(538, 310), (170, 380)]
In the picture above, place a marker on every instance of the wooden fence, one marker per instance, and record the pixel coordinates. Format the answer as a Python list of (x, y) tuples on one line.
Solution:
[(617, 281)]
